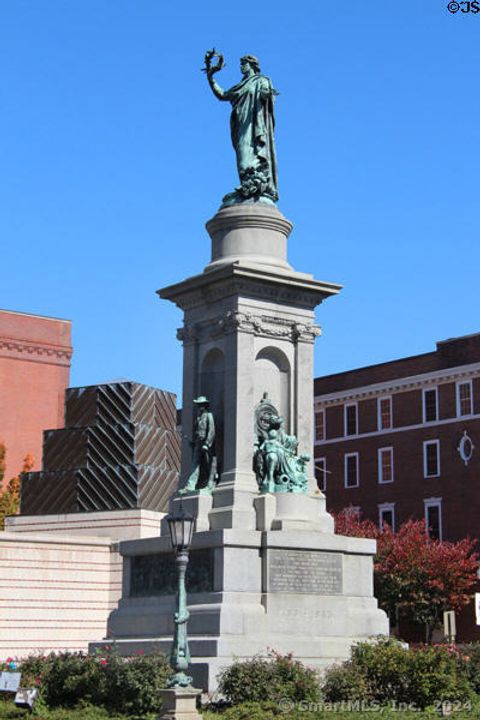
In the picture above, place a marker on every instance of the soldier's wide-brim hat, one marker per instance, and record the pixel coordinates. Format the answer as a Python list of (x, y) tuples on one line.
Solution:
[(201, 400)]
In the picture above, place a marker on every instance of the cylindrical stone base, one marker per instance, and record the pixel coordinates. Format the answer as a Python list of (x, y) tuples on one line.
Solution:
[(251, 232)]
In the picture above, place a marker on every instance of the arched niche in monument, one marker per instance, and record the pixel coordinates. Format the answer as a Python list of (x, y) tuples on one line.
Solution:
[(272, 375), (212, 385)]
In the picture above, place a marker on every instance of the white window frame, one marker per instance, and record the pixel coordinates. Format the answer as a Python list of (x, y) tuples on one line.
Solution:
[(380, 467), (345, 466), (431, 442), (458, 384), (321, 412), (434, 502), (424, 404), (386, 507), (379, 412), (349, 405)]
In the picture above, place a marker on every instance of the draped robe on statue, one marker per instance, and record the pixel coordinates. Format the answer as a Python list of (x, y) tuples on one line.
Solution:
[(252, 124)]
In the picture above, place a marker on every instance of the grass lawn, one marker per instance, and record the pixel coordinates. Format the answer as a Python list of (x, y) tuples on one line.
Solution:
[(9, 712), (353, 715)]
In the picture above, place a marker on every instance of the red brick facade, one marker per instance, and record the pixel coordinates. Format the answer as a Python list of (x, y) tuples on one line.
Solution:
[(35, 357), (425, 460)]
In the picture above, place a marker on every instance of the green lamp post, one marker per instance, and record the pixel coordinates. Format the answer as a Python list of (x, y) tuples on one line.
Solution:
[(181, 525)]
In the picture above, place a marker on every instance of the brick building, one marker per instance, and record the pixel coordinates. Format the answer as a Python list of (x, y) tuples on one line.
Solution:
[(35, 354), (401, 439)]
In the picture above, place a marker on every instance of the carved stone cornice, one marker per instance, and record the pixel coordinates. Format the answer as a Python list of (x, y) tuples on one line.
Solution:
[(289, 288), (36, 352), (259, 325), (264, 291)]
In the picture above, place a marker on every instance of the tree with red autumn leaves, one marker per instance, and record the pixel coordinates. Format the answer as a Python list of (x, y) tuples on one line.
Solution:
[(416, 577), (10, 495)]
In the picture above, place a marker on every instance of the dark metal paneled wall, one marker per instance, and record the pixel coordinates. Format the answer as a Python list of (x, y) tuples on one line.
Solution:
[(120, 449)]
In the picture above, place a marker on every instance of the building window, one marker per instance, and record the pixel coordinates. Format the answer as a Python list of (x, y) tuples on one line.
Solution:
[(385, 465), (431, 458), (464, 398), (321, 473), (320, 425), (351, 419), (351, 470), (430, 405), (386, 515), (433, 517), (384, 413)]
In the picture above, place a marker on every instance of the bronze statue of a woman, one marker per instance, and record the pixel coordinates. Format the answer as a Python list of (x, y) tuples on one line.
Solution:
[(252, 124)]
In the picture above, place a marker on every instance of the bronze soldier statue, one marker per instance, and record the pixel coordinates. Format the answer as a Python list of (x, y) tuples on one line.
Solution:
[(204, 462)]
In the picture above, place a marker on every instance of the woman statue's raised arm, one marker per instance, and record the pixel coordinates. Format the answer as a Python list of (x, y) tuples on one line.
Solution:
[(210, 70)]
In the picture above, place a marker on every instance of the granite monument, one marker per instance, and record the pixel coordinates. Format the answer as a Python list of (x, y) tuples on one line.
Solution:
[(266, 568)]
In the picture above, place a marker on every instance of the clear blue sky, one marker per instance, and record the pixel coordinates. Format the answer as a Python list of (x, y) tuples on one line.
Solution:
[(114, 153)]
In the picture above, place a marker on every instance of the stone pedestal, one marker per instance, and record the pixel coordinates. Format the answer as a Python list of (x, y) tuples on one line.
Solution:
[(194, 503), (249, 328), (250, 233), (180, 704), (301, 512), (301, 591), (265, 571)]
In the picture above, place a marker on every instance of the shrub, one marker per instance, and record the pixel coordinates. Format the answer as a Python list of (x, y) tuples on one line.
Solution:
[(123, 685), (385, 671), (72, 678), (269, 680), (133, 686), (437, 673), (471, 659), (345, 682), (249, 711), (87, 712)]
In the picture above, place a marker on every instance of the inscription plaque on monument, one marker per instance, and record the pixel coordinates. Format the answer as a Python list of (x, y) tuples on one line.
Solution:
[(304, 571), (153, 575)]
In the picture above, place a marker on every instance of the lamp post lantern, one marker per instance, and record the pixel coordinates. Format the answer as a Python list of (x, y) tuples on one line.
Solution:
[(181, 525)]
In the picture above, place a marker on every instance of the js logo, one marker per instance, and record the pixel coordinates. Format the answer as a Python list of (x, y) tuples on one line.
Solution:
[(467, 6)]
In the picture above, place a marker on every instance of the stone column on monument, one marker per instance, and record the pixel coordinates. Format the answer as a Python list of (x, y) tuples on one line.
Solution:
[(254, 315), (304, 418), (233, 497), (190, 360)]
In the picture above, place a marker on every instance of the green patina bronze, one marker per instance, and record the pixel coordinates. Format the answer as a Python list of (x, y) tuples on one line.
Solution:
[(156, 575), (180, 654), (203, 476), (277, 466), (252, 125)]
